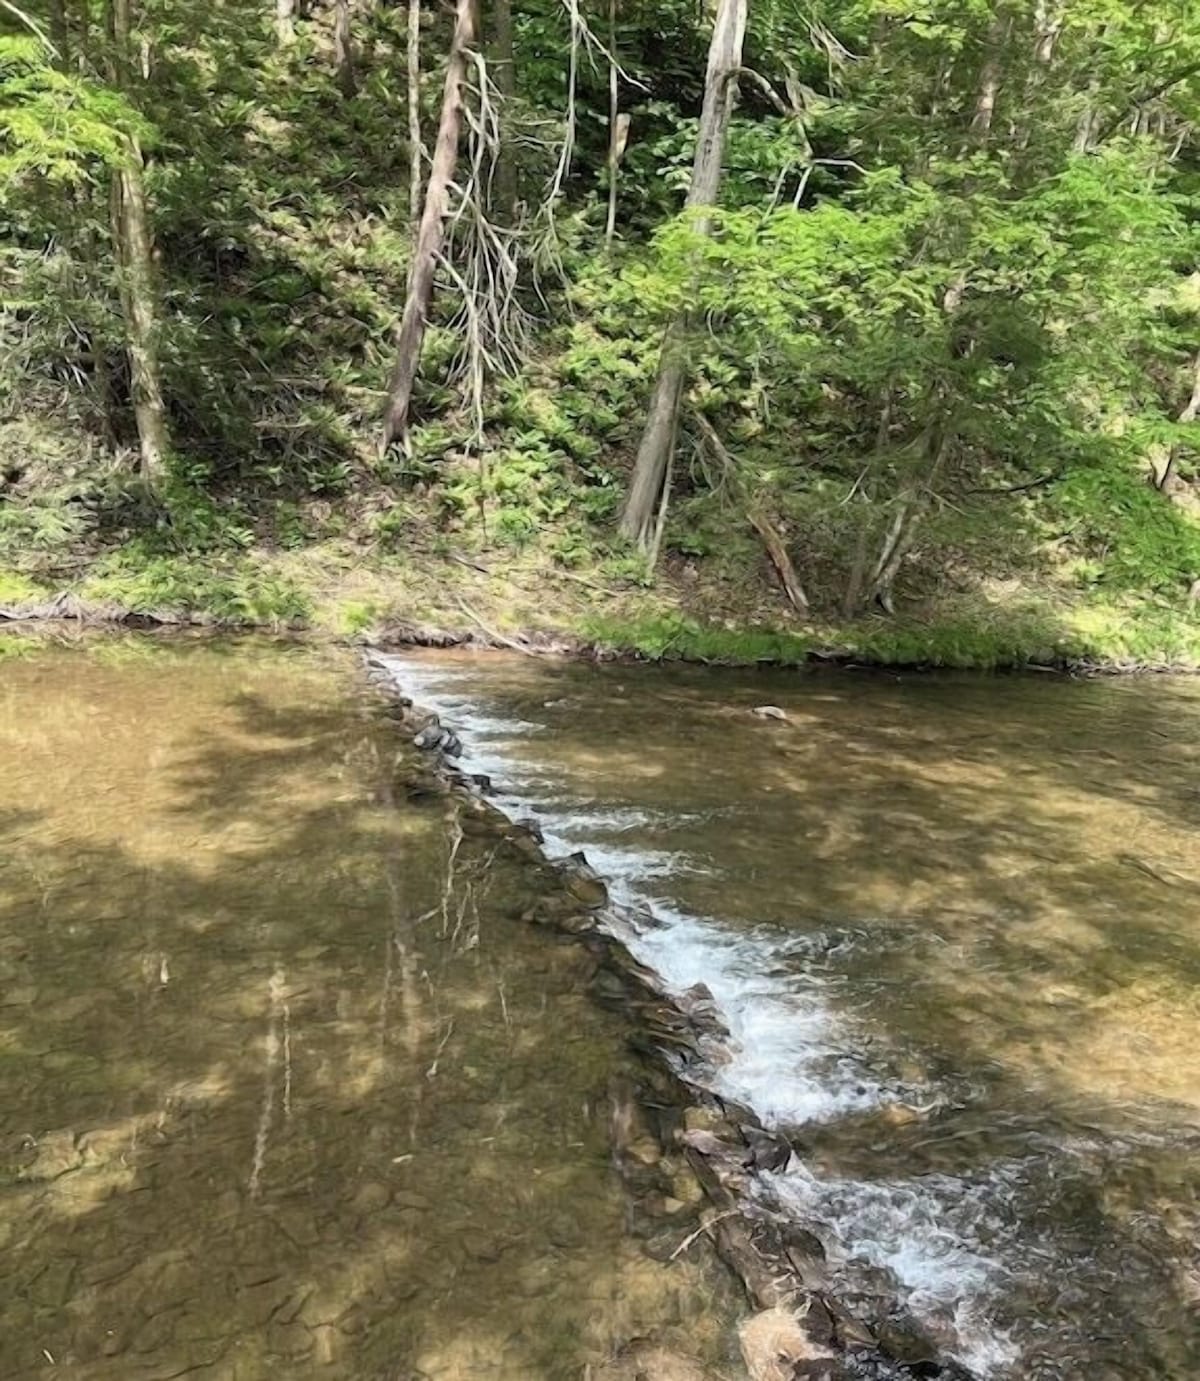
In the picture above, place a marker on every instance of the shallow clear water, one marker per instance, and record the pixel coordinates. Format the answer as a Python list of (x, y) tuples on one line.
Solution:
[(282, 1092), (952, 925)]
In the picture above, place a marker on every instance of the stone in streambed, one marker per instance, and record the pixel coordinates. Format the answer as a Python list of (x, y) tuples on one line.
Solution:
[(586, 886), (765, 1150), (700, 1119), (776, 1346)]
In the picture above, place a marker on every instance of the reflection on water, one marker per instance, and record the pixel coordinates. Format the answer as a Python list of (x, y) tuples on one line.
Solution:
[(280, 1093), (952, 927)]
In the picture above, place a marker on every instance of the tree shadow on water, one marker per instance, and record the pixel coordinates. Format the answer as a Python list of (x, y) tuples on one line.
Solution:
[(283, 1095)]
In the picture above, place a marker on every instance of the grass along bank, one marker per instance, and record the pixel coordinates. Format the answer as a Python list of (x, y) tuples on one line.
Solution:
[(691, 611)]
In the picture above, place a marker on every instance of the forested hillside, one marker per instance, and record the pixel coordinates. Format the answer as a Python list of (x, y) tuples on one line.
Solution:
[(732, 328)]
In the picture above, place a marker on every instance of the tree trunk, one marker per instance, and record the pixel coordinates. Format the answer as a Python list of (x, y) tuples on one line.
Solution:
[(131, 232), (657, 446), (432, 228), (504, 67), (618, 127), (913, 502), (616, 151), (135, 271), (285, 21), (1189, 413), (989, 79), (61, 34), (1048, 26), (343, 49), (414, 109)]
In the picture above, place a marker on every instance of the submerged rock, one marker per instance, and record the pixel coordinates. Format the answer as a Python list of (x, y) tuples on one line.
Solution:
[(428, 737), (769, 712), (765, 1150)]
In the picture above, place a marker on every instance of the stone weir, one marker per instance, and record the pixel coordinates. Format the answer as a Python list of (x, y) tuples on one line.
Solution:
[(672, 1137)]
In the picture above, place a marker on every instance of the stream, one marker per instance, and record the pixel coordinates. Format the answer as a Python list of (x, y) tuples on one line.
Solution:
[(951, 926), (287, 1089)]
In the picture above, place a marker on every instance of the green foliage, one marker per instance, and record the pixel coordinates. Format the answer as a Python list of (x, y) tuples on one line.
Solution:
[(16, 588), (55, 125), (357, 616), (218, 589), (1136, 539), (896, 311)]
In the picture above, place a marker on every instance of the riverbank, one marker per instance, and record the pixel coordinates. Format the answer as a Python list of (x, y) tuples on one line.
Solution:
[(690, 611)]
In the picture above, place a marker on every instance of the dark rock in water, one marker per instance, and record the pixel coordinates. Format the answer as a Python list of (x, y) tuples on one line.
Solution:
[(531, 826), (429, 737), (451, 744), (480, 780), (801, 1246), (609, 988), (587, 888), (765, 1150)]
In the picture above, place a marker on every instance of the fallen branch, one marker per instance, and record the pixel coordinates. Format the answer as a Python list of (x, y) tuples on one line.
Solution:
[(706, 1226), (772, 540), (491, 632)]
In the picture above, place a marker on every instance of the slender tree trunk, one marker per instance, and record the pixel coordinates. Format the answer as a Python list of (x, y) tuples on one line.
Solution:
[(618, 126), (1048, 24), (616, 151), (131, 230), (414, 109), (989, 78), (343, 48), (285, 21), (1189, 413), (852, 596), (61, 34), (1085, 130), (135, 270), (657, 446), (504, 67), (909, 510), (429, 236)]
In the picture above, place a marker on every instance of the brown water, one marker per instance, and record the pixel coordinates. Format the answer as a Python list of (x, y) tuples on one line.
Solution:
[(953, 927), (281, 1092)]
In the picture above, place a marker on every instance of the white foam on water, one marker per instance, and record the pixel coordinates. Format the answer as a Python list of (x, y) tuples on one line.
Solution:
[(941, 1240), (789, 1055), (783, 1057)]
